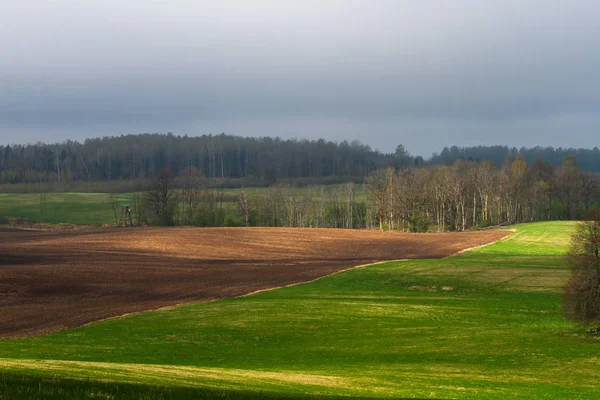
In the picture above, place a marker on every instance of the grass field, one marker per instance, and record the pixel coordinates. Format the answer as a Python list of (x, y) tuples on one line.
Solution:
[(485, 324), (96, 208), (55, 208)]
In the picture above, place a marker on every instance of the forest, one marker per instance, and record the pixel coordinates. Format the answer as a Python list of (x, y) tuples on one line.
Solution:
[(466, 195), (179, 180), (255, 161), (588, 159), (241, 161), (471, 195)]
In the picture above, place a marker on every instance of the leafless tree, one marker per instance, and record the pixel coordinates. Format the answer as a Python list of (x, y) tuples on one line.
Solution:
[(570, 181), (114, 200), (161, 197), (542, 181), (411, 195), (520, 185), (378, 185), (275, 204), (582, 294), (458, 194), (349, 205), (441, 182), (192, 184), (137, 208), (244, 206)]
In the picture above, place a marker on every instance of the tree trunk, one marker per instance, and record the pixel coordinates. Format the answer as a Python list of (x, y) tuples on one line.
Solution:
[(443, 216), (486, 212), (474, 210), (597, 266)]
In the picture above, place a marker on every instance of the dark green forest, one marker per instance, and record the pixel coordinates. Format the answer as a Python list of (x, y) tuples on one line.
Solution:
[(249, 161), (179, 180), (261, 161), (588, 159)]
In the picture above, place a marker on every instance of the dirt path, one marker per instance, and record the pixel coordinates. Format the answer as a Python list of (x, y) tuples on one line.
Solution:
[(57, 280)]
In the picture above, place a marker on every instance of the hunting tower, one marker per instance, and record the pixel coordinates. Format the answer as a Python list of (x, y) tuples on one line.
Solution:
[(126, 219)]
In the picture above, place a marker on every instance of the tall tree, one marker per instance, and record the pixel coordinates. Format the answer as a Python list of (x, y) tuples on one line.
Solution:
[(519, 184), (570, 180), (542, 176), (485, 181), (161, 197), (582, 294), (192, 184), (378, 185)]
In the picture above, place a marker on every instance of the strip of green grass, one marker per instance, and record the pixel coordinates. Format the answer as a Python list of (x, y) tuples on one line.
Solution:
[(96, 208), (486, 324), (56, 208)]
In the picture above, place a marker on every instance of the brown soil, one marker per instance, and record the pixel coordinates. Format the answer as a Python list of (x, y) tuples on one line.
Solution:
[(56, 280), (26, 224)]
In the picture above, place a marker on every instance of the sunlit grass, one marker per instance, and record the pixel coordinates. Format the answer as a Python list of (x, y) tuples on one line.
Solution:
[(485, 324), (55, 208)]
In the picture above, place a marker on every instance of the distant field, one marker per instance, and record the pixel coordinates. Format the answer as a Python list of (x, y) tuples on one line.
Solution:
[(55, 208), (96, 208), (485, 324)]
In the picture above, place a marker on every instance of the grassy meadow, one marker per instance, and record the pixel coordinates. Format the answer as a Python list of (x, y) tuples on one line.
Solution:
[(96, 208), (55, 208), (484, 324)]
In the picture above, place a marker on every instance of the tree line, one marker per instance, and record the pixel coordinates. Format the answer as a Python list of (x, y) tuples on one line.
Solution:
[(190, 199), (261, 161), (588, 159), (466, 195), (470, 195), (581, 298), (245, 161)]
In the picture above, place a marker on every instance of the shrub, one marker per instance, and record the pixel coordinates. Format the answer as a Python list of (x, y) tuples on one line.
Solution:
[(233, 221), (420, 224), (582, 293)]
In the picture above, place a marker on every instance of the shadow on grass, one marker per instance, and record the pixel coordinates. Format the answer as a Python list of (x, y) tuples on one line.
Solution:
[(30, 387)]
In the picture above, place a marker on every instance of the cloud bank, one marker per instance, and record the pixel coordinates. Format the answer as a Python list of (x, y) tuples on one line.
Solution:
[(426, 74)]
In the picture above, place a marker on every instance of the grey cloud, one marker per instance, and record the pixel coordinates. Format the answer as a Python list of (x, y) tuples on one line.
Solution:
[(428, 73)]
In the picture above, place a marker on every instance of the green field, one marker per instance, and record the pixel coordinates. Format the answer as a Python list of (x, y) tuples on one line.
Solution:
[(55, 208), (485, 324), (96, 208)]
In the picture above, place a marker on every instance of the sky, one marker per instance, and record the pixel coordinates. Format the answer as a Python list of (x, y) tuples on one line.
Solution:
[(425, 73)]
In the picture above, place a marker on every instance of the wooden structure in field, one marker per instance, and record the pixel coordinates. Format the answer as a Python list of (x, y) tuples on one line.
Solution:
[(126, 219)]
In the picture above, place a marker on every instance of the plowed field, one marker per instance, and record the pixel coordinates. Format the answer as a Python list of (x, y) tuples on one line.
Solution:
[(56, 280)]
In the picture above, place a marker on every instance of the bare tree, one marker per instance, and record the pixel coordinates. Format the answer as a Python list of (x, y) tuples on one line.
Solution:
[(161, 197), (542, 180), (244, 206), (442, 180), (484, 182), (275, 204), (458, 194), (570, 186), (582, 294), (138, 208), (411, 197), (520, 188), (191, 188), (349, 205), (378, 186), (114, 199)]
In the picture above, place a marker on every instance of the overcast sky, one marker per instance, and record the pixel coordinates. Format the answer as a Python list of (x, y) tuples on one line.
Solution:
[(423, 73)]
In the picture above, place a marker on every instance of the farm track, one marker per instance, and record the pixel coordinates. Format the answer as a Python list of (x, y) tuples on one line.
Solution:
[(51, 281)]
